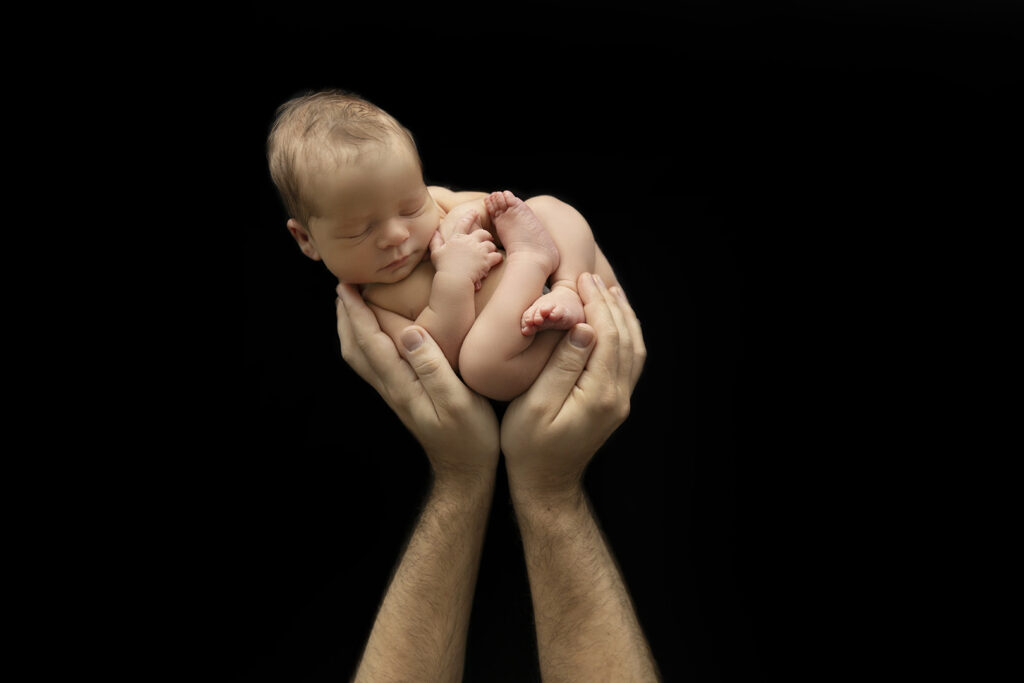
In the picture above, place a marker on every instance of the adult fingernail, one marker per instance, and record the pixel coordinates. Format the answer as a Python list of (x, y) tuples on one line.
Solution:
[(600, 282), (411, 339), (580, 336)]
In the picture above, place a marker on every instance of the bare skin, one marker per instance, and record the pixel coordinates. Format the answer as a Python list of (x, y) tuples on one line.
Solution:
[(587, 628), (505, 348), (522, 233)]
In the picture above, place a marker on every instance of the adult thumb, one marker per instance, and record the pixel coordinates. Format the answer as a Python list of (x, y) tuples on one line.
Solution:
[(564, 367), (427, 361)]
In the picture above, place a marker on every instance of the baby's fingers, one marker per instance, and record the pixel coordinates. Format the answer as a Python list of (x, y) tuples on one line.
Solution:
[(466, 222), (436, 241)]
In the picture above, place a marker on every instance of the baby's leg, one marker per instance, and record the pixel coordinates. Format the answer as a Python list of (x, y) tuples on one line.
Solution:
[(561, 308), (502, 379), (502, 354), (496, 338)]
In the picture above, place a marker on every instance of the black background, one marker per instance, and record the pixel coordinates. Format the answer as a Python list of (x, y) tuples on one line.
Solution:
[(770, 184)]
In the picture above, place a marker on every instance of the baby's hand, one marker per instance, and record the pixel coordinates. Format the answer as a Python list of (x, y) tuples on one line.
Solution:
[(469, 250), (453, 219)]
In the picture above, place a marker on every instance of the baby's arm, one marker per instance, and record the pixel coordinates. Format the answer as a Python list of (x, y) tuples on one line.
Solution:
[(448, 200), (456, 205), (461, 262)]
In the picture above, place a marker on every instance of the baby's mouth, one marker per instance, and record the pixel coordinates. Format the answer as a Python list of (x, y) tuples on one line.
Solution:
[(397, 263)]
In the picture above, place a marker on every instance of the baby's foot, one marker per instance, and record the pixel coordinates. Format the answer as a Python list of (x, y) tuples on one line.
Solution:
[(520, 231), (559, 309)]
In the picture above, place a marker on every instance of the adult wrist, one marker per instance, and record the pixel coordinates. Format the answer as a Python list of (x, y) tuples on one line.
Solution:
[(462, 480), (531, 498)]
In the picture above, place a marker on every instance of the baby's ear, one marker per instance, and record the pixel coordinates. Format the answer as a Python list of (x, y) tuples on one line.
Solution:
[(301, 235)]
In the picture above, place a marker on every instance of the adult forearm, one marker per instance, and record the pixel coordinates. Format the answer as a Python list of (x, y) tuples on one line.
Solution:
[(587, 628), (420, 630)]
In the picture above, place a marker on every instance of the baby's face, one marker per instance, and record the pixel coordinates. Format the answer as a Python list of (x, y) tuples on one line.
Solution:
[(377, 218)]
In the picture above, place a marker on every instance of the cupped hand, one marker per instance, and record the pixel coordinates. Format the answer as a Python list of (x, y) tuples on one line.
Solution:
[(456, 427), (551, 432)]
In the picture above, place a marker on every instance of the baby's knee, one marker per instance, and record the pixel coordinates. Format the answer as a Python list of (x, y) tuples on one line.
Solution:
[(549, 205), (487, 375), (560, 218)]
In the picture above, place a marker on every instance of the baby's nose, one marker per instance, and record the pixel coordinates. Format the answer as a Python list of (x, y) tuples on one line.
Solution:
[(395, 232)]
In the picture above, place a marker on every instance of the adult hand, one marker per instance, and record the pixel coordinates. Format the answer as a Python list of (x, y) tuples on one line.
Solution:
[(456, 427), (550, 433)]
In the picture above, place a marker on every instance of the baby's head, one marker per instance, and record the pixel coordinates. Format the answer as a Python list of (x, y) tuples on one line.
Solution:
[(352, 183)]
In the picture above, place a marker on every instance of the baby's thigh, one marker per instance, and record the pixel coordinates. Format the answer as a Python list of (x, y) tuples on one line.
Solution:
[(572, 235), (559, 218), (487, 368)]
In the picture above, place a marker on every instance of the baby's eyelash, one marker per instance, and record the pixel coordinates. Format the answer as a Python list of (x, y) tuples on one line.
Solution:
[(364, 232)]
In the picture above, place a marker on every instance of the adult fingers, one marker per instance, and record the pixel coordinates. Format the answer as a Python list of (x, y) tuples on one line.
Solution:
[(552, 388), (428, 361), (603, 369), (635, 333), (350, 349), (371, 353), (625, 346)]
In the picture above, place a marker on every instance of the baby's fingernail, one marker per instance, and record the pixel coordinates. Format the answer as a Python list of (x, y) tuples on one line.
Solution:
[(411, 339)]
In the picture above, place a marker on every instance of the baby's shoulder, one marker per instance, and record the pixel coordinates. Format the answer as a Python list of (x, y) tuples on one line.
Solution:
[(407, 297)]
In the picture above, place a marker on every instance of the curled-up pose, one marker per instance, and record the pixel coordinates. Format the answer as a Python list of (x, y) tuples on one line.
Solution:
[(352, 182)]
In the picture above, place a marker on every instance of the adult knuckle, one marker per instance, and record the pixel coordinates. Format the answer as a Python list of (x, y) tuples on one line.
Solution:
[(346, 353), (533, 410), (429, 366), (606, 400), (569, 364), (401, 401), (623, 410)]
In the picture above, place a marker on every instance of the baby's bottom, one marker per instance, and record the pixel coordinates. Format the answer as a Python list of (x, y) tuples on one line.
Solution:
[(543, 238)]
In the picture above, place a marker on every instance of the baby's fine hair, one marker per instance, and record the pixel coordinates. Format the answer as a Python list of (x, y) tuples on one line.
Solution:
[(322, 127)]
